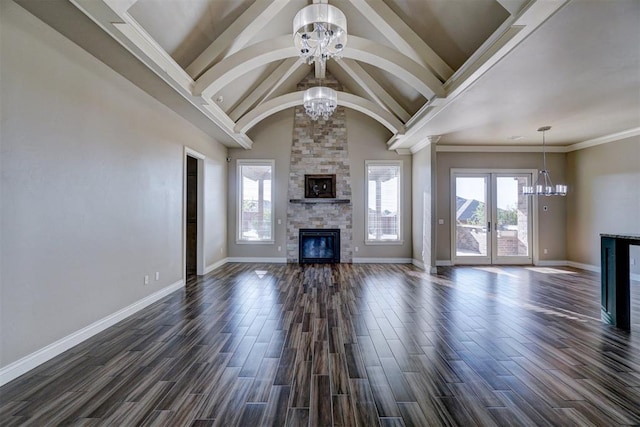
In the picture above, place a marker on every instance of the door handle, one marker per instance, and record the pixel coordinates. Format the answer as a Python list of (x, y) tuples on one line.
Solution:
[(489, 227)]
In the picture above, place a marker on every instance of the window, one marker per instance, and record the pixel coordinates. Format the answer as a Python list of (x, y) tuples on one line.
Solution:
[(255, 208), (383, 201)]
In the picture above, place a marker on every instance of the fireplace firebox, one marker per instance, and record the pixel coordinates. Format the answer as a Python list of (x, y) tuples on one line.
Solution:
[(319, 246)]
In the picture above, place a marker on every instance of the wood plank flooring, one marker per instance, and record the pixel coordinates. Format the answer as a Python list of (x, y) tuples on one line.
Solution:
[(350, 345)]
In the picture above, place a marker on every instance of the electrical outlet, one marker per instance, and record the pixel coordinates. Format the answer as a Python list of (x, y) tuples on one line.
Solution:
[(279, 221), (279, 248), (356, 249), (545, 251), (441, 221), (146, 279), (633, 261), (157, 275)]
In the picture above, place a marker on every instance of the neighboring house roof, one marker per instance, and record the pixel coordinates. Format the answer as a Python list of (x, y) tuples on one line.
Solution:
[(465, 208)]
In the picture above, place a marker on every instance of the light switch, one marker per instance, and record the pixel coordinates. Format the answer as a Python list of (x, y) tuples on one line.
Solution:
[(441, 221)]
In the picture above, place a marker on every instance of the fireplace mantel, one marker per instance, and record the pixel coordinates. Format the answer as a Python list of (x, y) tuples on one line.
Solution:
[(315, 201)]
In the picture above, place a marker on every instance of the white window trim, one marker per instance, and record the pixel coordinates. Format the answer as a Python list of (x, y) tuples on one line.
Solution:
[(395, 163), (239, 164)]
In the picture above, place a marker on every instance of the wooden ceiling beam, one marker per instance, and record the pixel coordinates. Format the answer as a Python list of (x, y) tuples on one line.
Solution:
[(292, 99), (281, 47)]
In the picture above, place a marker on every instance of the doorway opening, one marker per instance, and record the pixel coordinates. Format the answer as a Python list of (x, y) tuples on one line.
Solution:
[(492, 221), (193, 214), (191, 218)]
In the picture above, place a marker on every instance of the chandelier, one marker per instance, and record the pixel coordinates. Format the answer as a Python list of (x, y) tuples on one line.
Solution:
[(544, 186), (320, 101), (319, 32)]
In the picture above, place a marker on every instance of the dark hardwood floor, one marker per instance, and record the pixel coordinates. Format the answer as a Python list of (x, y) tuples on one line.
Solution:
[(348, 345)]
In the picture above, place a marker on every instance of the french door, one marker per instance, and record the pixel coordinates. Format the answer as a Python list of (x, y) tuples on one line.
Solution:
[(492, 219)]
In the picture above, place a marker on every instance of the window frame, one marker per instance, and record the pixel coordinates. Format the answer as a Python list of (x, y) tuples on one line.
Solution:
[(239, 195), (391, 163)]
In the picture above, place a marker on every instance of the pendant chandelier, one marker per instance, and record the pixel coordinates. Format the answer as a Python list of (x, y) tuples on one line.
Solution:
[(544, 185), (319, 32), (320, 101)]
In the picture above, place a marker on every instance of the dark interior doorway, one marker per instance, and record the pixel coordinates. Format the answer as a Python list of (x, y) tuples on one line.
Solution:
[(192, 217)]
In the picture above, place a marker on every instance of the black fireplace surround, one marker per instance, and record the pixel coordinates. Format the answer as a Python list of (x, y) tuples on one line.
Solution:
[(319, 246)]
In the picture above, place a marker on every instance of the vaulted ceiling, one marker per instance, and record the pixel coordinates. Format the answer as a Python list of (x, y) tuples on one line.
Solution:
[(451, 72)]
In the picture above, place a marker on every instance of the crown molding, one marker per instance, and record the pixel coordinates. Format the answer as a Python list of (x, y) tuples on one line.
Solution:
[(604, 139), (629, 133), (498, 149)]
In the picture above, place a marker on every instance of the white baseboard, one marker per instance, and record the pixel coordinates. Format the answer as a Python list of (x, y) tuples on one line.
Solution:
[(552, 263), (444, 263), (21, 366), (422, 266), (588, 267), (274, 260), (382, 261), (596, 269), (215, 265)]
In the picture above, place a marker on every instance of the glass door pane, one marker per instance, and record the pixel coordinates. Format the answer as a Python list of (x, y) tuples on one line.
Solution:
[(471, 219), (511, 217)]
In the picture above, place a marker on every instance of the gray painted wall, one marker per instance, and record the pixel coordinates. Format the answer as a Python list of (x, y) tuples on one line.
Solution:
[(551, 224), (92, 178), (272, 140), (605, 198)]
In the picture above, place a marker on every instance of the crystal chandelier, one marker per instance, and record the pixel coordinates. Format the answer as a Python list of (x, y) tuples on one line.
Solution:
[(320, 101), (319, 32), (544, 186)]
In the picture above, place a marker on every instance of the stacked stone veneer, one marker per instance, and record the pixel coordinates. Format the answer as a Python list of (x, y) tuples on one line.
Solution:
[(319, 147)]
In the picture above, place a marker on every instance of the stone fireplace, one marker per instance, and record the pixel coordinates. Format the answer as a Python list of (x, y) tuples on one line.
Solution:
[(319, 151)]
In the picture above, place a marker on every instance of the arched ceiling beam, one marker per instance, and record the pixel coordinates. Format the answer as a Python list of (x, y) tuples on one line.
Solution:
[(358, 48), (292, 99), (396, 63), (243, 61)]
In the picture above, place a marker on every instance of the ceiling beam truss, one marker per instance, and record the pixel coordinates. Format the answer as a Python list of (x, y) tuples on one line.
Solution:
[(296, 98), (281, 47)]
